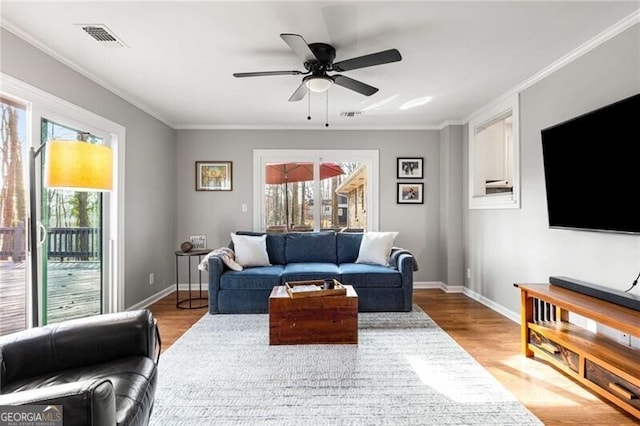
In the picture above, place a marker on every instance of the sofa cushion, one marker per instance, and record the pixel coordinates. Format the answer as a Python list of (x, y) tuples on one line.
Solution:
[(250, 250), (375, 248), (364, 275), (348, 246), (309, 271), (258, 278), (275, 246)]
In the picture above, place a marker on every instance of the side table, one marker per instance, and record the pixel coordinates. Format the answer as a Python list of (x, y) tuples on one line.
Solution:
[(199, 299)]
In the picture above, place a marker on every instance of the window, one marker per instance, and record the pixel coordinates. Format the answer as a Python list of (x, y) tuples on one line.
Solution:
[(301, 190), (494, 157)]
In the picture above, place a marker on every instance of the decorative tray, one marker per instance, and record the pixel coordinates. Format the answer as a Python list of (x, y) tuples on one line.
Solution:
[(314, 288)]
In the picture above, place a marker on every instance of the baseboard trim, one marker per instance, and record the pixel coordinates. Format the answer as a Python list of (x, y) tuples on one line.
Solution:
[(513, 316), (438, 285), (152, 299), (194, 287), (167, 291)]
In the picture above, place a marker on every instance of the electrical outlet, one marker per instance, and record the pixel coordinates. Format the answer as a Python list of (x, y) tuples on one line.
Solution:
[(468, 272), (152, 278), (244, 208), (624, 339)]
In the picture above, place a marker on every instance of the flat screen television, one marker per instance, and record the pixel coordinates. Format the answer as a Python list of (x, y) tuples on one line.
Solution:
[(592, 169)]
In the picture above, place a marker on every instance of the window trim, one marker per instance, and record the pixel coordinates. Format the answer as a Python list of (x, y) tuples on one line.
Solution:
[(482, 119), (370, 157)]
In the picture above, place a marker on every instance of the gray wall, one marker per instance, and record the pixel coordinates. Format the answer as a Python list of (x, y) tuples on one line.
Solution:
[(500, 247), (216, 214), (451, 238), (506, 246), (149, 163)]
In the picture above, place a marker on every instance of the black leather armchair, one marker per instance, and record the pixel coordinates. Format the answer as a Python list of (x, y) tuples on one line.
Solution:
[(101, 369)]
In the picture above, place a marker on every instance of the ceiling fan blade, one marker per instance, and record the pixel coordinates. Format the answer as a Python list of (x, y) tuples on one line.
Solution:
[(266, 73), (384, 57), (299, 46), (299, 94), (355, 85)]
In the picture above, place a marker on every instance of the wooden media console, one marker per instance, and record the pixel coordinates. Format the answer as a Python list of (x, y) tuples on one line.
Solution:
[(599, 362)]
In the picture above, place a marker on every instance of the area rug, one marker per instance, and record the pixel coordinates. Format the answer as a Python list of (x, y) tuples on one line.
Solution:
[(405, 370)]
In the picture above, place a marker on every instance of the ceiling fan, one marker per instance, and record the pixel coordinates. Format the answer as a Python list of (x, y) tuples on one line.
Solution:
[(318, 60)]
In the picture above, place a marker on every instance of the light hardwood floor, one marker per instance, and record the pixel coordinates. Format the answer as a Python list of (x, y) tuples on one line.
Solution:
[(493, 340)]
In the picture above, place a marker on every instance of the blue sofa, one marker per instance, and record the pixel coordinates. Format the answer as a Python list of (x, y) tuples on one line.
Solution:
[(307, 256)]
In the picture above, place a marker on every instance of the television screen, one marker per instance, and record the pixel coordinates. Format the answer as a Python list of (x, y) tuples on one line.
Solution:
[(592, 170)]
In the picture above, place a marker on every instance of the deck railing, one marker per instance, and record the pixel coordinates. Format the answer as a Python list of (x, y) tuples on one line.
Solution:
[(12, 243), (79, 243)]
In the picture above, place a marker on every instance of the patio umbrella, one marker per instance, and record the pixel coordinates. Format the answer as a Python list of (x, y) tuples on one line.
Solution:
[(279, 173)]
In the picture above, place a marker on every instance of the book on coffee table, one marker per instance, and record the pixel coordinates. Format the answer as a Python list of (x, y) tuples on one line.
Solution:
[(300, 288)]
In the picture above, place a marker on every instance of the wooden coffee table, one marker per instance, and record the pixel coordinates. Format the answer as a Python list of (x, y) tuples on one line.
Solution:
[(312, 320)]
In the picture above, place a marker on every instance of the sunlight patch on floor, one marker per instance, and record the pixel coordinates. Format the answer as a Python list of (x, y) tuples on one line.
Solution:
[(450, 382), (544, 393)]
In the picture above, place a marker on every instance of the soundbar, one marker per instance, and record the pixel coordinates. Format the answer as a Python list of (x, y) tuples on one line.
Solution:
[(599, 292)]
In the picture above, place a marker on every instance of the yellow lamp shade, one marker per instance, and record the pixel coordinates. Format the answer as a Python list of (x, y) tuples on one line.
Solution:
[(79, 166)]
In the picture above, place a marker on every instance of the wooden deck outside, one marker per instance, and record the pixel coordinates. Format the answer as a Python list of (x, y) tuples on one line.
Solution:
[(74, 291)]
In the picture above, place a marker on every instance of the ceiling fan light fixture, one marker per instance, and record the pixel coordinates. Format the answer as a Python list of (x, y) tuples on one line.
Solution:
[(318, 83)]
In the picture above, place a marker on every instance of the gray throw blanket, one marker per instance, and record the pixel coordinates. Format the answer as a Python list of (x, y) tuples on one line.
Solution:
[(226, 254)]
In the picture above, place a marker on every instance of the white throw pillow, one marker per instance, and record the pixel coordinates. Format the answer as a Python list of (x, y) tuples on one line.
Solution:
[(376, 247), (250, 250)]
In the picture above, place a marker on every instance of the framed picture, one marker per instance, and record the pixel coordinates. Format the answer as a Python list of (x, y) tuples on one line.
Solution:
[(410, 193), (213, 176), (410, 168), (198, 241)]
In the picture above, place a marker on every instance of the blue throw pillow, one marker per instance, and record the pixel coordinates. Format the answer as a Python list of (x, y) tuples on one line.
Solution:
[(348, 246), (310, 247)]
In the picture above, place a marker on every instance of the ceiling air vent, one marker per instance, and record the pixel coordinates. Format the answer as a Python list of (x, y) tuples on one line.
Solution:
[(103, 35), (350, 113)]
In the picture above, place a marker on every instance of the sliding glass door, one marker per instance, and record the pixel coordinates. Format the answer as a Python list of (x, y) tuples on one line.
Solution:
[(79, 254), (13, 215)]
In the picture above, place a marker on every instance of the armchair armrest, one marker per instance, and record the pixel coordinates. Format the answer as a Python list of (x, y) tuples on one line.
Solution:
[(91, 402), (77, 343), (216, 267), (402, 260), (396, 258)]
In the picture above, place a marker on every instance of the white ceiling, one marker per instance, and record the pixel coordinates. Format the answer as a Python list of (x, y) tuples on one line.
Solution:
[(181, 55)]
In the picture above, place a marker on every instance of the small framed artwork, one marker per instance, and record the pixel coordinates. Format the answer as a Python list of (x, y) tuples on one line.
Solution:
[(410, 193), (410, 168), (213, 176), (198, 241)]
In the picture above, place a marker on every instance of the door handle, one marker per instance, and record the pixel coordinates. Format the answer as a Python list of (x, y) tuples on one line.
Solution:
[(43, 234)]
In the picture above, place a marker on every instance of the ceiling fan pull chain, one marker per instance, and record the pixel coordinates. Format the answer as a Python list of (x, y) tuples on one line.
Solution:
[(309, 105), (326, 111)]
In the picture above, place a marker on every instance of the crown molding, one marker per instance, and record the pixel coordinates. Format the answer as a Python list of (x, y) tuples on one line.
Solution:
[(617, 28), (19, 32), (299, 127), (447, 123), (609, 33)]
